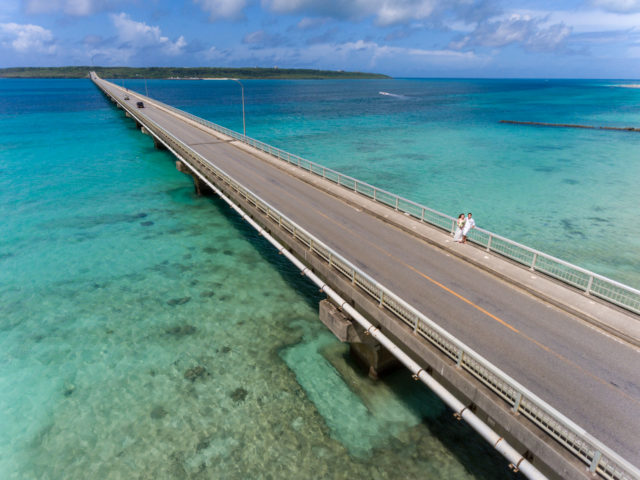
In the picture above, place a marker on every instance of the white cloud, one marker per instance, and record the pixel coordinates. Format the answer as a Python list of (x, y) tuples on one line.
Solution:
[(223, 9), (382, 53), (358, 55), (532, 33), (584, 21), (386, 12), (255, 37), (27, 38), (547, 39), (308, 23), (134, 41), (393, 12), (262, 39), (107, 55), (138, 35), (92, 40), (619, 6), (80, 8), (212, 53), (176, 47)]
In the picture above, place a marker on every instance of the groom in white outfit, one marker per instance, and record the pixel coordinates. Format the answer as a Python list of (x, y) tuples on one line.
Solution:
[(468, 225)]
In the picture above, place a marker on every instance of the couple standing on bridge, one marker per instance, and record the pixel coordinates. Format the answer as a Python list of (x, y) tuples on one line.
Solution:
[(463, 225)]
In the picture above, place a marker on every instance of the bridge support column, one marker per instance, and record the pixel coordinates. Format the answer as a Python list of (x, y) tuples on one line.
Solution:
[(364, 348), (201, 188), (158, 144)]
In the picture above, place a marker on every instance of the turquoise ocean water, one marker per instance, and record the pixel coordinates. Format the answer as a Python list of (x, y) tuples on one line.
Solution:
[(571, 193), (149, 333)]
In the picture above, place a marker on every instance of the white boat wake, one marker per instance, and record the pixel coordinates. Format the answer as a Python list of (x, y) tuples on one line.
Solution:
[(393, 95)]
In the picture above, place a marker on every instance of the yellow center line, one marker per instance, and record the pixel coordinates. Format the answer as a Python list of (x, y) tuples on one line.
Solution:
[(464, 299), (474, 305), (455, 294)]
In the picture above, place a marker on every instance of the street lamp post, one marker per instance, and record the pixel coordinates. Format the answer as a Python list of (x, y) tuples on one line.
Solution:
[(244, 125), (145, 84)]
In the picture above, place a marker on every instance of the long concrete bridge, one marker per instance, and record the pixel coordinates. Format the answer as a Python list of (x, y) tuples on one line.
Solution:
[(549, 374)]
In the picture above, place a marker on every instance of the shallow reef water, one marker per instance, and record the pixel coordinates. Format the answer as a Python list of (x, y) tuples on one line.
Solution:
[(146, 332)]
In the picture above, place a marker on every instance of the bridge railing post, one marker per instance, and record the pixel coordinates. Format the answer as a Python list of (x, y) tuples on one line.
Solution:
[(595, 461), (516, 403), (460, 357)]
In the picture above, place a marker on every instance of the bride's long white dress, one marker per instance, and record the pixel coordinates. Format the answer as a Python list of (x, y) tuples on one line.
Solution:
[(457, 237)]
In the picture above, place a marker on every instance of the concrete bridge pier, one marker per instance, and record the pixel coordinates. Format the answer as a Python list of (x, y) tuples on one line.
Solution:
[(201, 187), (365, 349), (156, 143)]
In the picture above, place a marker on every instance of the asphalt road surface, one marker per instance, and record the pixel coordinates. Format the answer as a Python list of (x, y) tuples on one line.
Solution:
[(590, 377)]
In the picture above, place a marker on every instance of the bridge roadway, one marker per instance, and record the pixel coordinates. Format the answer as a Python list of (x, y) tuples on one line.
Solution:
[(589, 376)]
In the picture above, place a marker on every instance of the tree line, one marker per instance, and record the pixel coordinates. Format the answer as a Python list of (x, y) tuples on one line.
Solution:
[(183, 73)]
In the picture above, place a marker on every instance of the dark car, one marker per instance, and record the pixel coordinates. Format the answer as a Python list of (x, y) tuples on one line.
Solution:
[(140, 105)]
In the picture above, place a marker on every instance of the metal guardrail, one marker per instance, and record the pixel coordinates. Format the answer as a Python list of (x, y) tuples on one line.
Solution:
[(598, 457), (589, 282)]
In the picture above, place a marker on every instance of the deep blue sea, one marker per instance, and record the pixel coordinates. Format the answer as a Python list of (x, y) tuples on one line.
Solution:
[(146, 332)]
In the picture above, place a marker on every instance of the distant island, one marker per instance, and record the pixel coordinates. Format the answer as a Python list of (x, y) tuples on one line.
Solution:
[(196, 73)]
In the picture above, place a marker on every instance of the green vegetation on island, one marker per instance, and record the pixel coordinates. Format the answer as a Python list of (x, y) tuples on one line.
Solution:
[(183, 73)]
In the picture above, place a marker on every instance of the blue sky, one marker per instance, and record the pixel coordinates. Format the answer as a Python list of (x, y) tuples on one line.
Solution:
[(401, 38)]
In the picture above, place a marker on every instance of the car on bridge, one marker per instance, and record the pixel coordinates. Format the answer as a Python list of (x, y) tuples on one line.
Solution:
[(140, 105)]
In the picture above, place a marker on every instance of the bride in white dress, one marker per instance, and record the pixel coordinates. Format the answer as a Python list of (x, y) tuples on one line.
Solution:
[(457, 237)]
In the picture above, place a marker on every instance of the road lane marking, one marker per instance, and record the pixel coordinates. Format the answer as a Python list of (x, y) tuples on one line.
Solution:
[(504, 323), (469, 302)]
